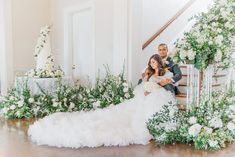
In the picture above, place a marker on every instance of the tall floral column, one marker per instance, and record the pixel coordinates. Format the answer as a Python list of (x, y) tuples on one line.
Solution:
[(193, 86), (199, 83), (207, 82)]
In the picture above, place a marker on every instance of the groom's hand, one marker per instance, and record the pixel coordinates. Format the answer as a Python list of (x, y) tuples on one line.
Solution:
[(165, 82)]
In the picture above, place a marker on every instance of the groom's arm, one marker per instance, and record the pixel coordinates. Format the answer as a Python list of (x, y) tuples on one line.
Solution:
[(176, 72)]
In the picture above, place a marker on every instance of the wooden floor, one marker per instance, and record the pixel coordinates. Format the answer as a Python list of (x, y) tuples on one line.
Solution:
[(15, 143)]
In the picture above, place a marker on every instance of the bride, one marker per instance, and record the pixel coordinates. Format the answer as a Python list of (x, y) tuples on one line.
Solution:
[(119, 125)]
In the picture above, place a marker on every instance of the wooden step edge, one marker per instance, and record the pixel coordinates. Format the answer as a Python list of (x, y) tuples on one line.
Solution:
[(185, 85), (214, 76)]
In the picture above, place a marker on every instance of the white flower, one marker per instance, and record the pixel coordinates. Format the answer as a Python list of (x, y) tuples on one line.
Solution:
[(5, 110), (192, 120), (232, 108), (125, 84), (55, 104), (218, 56), (216, 122), (20, 103), (167, 62), (127, 95), (222, 2), (219, 39), (96, 104), (65, 99), (183, 54), (208, 130), (228, 25), (72, 105), (171, 113), (170, 127), (125, 89), (31, 100), (213, 143), (12, 98), (12, 107), (231, 126), (191, 54), (194, 130)]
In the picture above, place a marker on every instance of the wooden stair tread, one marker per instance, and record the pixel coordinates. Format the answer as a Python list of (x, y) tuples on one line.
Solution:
[(181, 95), (185, 85), (185, 75)]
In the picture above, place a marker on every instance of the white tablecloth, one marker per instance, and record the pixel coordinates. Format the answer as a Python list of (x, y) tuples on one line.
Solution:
[(49, 85)]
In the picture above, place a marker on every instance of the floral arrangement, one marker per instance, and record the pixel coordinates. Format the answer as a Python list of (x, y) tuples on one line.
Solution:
[(48, 72), (210, 39), (112, 90), (43, 37), (209, 126), (66, 98)]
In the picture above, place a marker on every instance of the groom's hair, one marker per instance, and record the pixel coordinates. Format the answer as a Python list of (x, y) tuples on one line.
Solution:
[(163, 44)]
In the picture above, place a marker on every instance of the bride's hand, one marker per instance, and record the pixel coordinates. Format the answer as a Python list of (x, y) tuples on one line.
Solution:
[(146, 93)]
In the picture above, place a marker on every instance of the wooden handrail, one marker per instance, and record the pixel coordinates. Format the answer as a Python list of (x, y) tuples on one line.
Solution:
[(181, 11)]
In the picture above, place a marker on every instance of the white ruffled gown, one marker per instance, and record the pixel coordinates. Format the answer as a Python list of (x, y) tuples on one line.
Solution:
[(119, 125)]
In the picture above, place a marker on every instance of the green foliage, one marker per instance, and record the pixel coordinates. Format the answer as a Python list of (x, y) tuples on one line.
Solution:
[(209, 126), (21, 103)]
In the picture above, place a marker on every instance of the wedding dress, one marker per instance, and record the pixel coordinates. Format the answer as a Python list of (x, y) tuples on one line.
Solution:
[(118, 125)]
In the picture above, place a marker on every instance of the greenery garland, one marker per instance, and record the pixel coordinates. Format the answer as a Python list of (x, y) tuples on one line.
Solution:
[(111, 90)]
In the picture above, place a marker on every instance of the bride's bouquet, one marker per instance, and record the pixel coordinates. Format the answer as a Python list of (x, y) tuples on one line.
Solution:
[(151, 86)]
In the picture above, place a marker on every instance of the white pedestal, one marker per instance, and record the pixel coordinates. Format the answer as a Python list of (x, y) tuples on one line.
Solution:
[(48, 85)]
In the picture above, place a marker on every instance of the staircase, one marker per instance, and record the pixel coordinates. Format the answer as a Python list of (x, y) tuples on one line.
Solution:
[(219, 79)]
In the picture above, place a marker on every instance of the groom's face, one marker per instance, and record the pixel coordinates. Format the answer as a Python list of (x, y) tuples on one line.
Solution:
[(162, 50)]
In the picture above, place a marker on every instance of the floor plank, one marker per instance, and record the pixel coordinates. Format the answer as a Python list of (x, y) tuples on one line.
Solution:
[(14, 142)]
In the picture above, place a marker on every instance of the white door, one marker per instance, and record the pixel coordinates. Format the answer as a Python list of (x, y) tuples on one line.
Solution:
[(83, 46)]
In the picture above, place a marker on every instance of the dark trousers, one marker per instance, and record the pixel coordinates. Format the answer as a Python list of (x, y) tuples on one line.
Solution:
[(170, 87)]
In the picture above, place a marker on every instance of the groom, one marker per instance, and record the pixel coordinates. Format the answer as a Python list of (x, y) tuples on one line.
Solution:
[(169, 84)]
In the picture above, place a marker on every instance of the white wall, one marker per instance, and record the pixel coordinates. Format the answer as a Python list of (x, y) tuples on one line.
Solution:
[(28, 16), (6, 67), (103, 29), (156, 13)]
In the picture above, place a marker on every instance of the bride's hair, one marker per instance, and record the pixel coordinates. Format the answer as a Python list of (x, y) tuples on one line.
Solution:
[(161, 70)]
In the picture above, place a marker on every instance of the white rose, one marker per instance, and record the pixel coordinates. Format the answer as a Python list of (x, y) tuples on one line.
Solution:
[(191, 54), (171, 113), (192, 120), (223, 2), (55, 104), (228, 25), (183, 54), (208, 130), (216, 122), (31, 100), (125, 84), (232, 108), (72, 105), (12, 98), (96, 104), (218, 56), (213, 143), (65, 99), (219, 30), (125, 89), (12, 107), (231, 126), (127, 95), (219, 39), (20, 103), (194, 130), (5, 110)]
